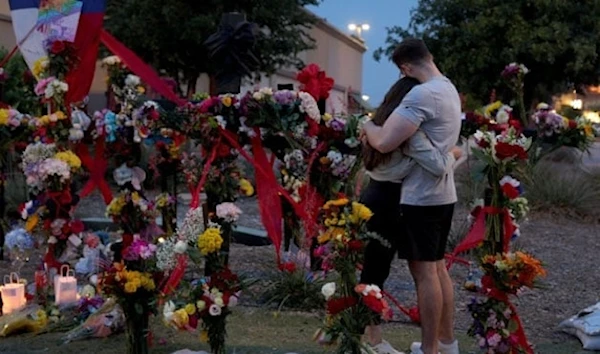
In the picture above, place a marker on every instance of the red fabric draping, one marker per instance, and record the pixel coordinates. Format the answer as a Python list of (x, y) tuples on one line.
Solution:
[(176, 275), (138, 67), (268, 199), (97, 168), (86, 45), (477, 234), (198, 188)]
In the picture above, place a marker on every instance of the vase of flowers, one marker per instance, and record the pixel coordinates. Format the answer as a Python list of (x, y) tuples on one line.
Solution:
[(137, 328)]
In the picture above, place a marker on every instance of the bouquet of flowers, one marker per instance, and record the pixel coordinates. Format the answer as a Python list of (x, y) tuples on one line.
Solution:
[(501, 154), (13, 126), (132, 212), (206, 305), (19, 242), (514, 75), (558, 131), (496, 325), (495, 117), (350, 306)]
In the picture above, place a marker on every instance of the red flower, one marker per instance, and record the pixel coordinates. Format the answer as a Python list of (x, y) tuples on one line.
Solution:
[(572, 124), (510, 191), (376, 305), (337, 305), (355, 245), (506, 151), (77, 226), (313, 127), (57, 47), (516, 125), (289, 267), (315, 82), (193, 321)]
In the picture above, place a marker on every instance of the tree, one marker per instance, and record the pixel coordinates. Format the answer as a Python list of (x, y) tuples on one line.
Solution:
[(472, 41), (170, 34)]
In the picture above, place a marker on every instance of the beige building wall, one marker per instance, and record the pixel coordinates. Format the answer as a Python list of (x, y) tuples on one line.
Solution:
[(340, 55)]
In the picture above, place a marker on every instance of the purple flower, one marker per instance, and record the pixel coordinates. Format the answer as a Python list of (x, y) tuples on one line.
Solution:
[(337, 124), (285, 97), (140, 249)]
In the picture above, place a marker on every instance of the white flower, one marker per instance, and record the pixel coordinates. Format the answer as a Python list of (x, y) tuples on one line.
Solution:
[(200, 305), (309, 106), (233, 301), (503, 114), (219, 301), (221, 121), (181, 247), (214, 310), (509, 180), (111, 60), (335, 157), (328, 290), (228, 212), (132, 80), (168, 311)]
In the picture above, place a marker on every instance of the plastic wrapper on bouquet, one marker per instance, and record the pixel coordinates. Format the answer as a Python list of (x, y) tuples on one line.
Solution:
[(108, 320)]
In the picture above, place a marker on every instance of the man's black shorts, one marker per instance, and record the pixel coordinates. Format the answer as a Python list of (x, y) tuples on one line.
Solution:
[(426, 230)]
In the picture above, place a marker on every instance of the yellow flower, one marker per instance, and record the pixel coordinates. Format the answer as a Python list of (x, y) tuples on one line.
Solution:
[(210, 241), (60, 115), (39, 67), (589, 132), (32, 222), (360, 213), (489, 109), (135, 197), (70, 158), (3, 116), (130, 288), (204, 336), (181, 318), (226, 101), (141, 90), (44, 120), (338, 202), (190, 309), (246, 187), (327, 117)]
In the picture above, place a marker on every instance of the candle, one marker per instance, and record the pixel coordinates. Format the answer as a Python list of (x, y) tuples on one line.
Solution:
[(13, 294), (65, 287)]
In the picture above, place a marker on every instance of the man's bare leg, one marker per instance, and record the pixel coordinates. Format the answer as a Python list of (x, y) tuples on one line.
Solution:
[(446, 332), (430, 299)]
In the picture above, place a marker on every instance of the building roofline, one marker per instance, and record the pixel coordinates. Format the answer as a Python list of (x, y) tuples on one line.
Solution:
[(336, 32)]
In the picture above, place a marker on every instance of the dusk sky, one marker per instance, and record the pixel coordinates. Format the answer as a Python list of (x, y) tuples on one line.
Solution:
[(379, 14)]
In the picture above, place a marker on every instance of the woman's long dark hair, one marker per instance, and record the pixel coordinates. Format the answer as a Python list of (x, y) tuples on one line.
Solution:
[(371, 157)]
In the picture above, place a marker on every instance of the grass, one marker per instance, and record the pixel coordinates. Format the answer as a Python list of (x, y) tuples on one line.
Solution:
[(250, 331)]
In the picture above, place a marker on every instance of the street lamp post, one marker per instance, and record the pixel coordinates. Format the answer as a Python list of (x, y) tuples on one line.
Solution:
[(359, 28)]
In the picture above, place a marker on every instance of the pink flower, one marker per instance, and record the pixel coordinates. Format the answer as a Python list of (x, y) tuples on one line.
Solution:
[(140, 249), (493, 339), (40, 88), (92, 241)]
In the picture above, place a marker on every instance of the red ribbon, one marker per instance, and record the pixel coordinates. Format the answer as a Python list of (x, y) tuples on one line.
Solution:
[(477, 233), (522, 341), (62, 199), (175, 277), (195, 203), (97, 168), (264, 170)]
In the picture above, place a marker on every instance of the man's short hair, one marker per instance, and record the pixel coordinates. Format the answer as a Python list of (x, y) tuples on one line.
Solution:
[(411, 51)]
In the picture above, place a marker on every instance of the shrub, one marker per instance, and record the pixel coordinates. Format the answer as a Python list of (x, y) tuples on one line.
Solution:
[(553, 187), (296, 289)]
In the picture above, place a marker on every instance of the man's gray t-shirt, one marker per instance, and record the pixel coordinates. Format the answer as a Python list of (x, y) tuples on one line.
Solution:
[(434, 106)]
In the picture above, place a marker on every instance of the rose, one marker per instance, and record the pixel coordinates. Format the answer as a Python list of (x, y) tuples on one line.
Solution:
[(505, 151), (57, 47), (328, 290)]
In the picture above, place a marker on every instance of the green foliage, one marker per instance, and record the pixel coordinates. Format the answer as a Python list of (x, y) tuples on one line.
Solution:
[(297, 290), (472, 41), (170, 34), (17, 90)]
